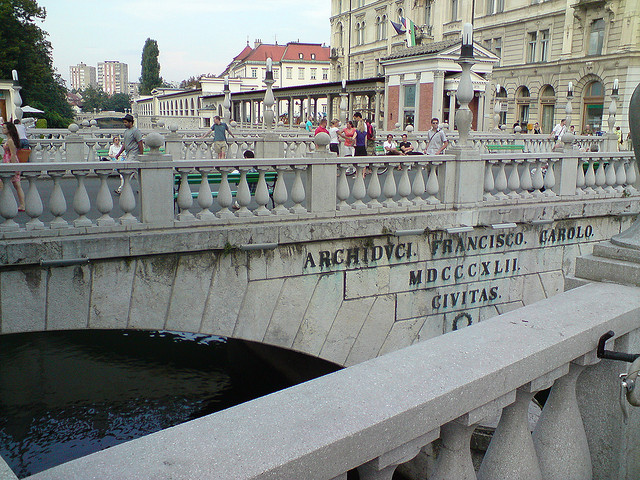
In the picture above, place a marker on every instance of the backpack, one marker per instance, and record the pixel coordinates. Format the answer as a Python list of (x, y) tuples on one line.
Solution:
[(371, 133)]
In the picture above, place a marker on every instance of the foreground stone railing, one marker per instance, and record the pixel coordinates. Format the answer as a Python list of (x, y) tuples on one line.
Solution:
[(312, 186), (380, 413)]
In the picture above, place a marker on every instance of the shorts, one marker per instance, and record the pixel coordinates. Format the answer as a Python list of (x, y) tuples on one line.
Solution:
[(220, 146), (24, 143), (334, 147), (361, 151), (349, 151)]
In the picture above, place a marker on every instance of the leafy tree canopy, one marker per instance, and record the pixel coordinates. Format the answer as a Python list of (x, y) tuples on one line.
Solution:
[(25, 48), (96, 99), (150, 73), (191, 82)]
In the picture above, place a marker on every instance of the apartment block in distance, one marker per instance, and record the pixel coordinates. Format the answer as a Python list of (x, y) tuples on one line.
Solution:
[(83, 76), (113, 77)]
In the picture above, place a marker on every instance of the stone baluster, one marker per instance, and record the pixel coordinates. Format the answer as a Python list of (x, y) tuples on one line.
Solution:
[(433, 184), (511, 454), (501, 182), (342, 191), (33, 202), (559, 437), (513, 183), (127, 199), (57, 202), (58, 153), (621, 175), (262, 194), (454, 459), (225, 198), (383, 467), (280, 194), (46, 150), (601, 177), (418, 186), (81, 202), (538, 178), (91, 155), (590, 177), (550, 179), (610, 176), (489, 182), (526, 182), (359, 190), (205, 199), (104, 200), (243, 196), (298, 194), (184, 200), (631, 177), (389, 189), (374, 190), (8, 204), (580, 178), (404, 186), (199, 150)]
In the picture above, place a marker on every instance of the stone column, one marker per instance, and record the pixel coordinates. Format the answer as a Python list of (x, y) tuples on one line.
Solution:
[(378, 123), (74, 145), (438, 94)]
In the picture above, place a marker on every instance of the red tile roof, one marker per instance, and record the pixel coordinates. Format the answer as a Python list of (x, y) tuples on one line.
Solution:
[(290, 51)]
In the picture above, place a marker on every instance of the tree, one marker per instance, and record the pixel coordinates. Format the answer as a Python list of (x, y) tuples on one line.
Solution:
[(118, 102), (94, 99), (25, 48), (150, 73), (191, 82)]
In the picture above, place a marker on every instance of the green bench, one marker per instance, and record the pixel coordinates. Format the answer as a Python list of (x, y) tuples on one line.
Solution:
[(505, 148)]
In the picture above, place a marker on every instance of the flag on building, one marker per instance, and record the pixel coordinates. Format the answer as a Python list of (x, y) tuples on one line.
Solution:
[(410, 30), (398, 27)]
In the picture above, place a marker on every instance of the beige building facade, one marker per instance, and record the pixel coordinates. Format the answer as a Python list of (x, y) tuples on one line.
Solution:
[(541, 46)]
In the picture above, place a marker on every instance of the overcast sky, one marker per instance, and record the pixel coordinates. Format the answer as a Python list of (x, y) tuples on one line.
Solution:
[(194, 36)]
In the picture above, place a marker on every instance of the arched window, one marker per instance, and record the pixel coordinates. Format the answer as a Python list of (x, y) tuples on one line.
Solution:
[(340, 34), (593, 101), (547, 107), (384, 22)]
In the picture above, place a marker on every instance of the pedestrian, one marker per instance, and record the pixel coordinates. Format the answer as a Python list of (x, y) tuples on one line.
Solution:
[(390, 146), (309, 125), (132, 146), (405, 146), (536, 128), (361, 136), (219, 129), (11, 156), (559, 130), (22, 133), (437, 141), (334, 142), (322, 128), (349, 135), (114, 149)]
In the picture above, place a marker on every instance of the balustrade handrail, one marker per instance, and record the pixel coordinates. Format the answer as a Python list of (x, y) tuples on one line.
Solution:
[(379, 413)]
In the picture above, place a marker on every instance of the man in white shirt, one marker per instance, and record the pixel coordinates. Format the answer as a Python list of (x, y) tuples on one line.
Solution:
[(390, 146), (559, 130), (436, 139)]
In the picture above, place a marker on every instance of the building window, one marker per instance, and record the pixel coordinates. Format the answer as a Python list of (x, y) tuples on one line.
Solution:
[(487, 43), (454, 10), (313, 56), (254, 73), (490, 4), (276, 73), (499, 6), (427, 15), (360, 33), (523, 98), (289, 73), (544, 45), (548, 104), (531, 47), (325, 74), (596, 37), (340, 34), (497, 48), (409, 95), (504, 106), (300, 73), (593, 106), (313, 73)]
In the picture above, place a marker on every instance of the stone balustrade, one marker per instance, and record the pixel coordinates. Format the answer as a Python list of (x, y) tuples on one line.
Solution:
[(378, 414), (317, 185)]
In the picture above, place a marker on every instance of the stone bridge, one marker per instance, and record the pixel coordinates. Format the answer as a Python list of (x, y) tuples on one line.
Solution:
[(342, 267)]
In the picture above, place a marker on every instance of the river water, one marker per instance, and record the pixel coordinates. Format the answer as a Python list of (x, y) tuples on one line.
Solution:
[(64, 395)]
